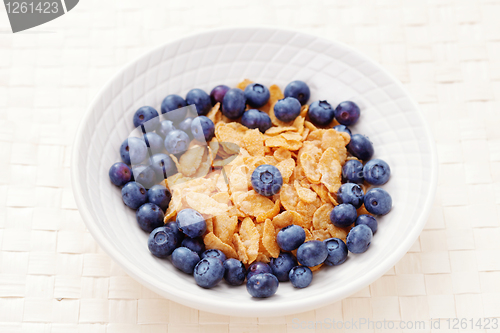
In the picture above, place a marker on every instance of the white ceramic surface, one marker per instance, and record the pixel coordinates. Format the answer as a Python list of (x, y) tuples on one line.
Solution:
[(334, 72)]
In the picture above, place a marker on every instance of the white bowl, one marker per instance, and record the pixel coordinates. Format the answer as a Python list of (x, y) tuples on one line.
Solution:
[(334, 72)]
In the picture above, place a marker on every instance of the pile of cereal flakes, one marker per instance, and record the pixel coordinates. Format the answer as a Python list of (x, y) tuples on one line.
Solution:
[(215, 181)]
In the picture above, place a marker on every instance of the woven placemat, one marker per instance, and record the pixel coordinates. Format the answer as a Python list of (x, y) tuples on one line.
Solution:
[(54, 277)]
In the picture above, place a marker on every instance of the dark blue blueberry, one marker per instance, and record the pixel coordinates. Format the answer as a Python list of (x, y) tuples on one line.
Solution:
[(299, 90), (134, 195), (347, 113), (342, 128), (191, 222), (287, 109), (343, 215), (162, 242), (148, 117), (378, 201), (262, 285), (256, 95), (350, 193), (203, 129), (376, 172), (300, 276), (185, 259), (201, 99), (312, 253), (185, 126), (154, 142), (267, 180), (174, 227), (177, 142), (258, 267), (149, 217), (214, 254), (368, 220), (256, 119), (234, 103), (235, 272), (145, 175), (163, 166), (359, 238), (171, 103), (194, 244), (290, 237), (352, 171), (120, 174), (320, 113), (133, 151), (282, 265), (164, 128), (217, 94), (160, 195), (337, 251), (208, 272), (360, 147)]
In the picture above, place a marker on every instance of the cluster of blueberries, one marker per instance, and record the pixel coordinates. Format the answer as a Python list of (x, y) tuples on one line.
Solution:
[(145, 162)]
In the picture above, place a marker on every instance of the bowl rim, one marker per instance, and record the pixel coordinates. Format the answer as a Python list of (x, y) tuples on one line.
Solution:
[(242, 309)]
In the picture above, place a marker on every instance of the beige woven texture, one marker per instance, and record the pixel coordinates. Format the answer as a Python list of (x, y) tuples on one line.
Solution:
[(53, 276)]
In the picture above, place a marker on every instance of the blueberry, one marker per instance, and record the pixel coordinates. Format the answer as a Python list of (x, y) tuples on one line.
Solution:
[(282, 265), (133, 151), (201, 99), (350, 193), (337, 251), (343, 215), (262, 285), (234, 272), (360, 147), (214, 254), (163, 166), (287, 109), (203, 129), (177, 142), (185, 259), (149, 217), (299, 90), (342, 128), (256, 119), (148, 117), (368, 220), (174, 227), (352, 171), (217, 94), (120, 174), (154, 142), (377, 201), (134, 195), (194, 244), (359, 238), (234, 103), (258, 267), (376, 172), (164, 128), (290, 237), (267, 180), (145, 175), (185, 126), (320, 113), (256, 95), (312, 253), (191, 222), (171, 103), (208, 272), (159, 195), (162, 242), (300, 276), (347, 113)]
